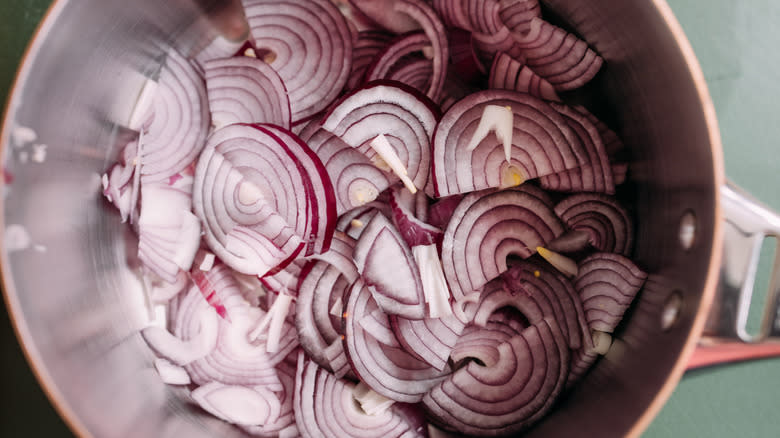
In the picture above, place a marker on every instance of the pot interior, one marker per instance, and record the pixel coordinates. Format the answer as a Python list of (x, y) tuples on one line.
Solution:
[(78, 306)]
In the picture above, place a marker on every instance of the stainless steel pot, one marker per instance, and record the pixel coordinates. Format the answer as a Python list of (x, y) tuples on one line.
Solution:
[(77, 307)]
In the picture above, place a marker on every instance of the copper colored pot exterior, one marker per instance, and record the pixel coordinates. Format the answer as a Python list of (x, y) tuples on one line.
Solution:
[(77, 307)]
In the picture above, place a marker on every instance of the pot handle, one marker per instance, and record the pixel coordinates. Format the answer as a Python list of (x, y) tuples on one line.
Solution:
[(725, 337)]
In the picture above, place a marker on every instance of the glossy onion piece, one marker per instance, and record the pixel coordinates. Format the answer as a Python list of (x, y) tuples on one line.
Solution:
[(230, 362), (487, 227), (414, 231), (238, 404), (390, 371), (389, 269), (607, 284), (312, 46), (168, 233), (175, 127), (538, 292), (452, 13), (416, 74), (368, 45), (595, 177), (483, 341), (243, 89), (383, 13), (558, 56), (325, 407), (488, 45), (284, 425), (517, 14), (400, 113), (251, 188), (318, 315), (541, 143), (398, 49), (507, 73), (118, 182), (430, 339), (606, 222), (356, 180), (509, 396), (583, 359)]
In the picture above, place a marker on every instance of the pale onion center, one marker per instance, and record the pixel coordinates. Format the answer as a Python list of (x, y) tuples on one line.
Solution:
[(387, 153), (362, 192), (511, 176), (249, 193), (498, 119)]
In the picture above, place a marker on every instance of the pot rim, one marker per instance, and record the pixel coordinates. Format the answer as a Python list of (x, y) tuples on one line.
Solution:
[(65, 411)]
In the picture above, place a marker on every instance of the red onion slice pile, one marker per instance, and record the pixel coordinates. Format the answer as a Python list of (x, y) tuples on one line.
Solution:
[(455, 291), (507, 397), (325, 407), (312, 48), (243, 89), (388, 370)]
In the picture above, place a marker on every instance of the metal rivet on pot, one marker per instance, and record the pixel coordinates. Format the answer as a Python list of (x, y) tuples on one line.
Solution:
[(687, 232), (672, 310)]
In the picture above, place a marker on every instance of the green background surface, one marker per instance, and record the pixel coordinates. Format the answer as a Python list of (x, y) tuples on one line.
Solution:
[(736, 43)]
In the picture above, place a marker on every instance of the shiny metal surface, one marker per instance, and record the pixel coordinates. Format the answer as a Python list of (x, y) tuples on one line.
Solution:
[(78, 307), (747, 224)]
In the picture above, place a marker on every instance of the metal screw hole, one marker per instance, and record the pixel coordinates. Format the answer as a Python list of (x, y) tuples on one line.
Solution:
[(672, 310), (687, 232)]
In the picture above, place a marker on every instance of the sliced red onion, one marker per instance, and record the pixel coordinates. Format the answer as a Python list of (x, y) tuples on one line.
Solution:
[(168, 233), (517, 14), (483, 15), (488, 45), (584, 358), (182, 352), (286, 280), (397, 51), (251, 186), (390, 270), (538, 292), (285, 422), (482, 342), (175, 128), (356, 180), (430, 339), (541, 143), (312, 44), (377, 325), (235, 360), (414, 231), (434, 29), (392, 111), (162, 292), (238, 404), (595, 177), (507, 73), (354, 222), (171, 374), (441, 211), (558, 56), (509, 396), (390, 371), (368, 45), (489, 226), (452, 13), (322, 288), (245, 90), (325, 407), (607, 284), (383, 13), (415, 73), (606, 222)]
